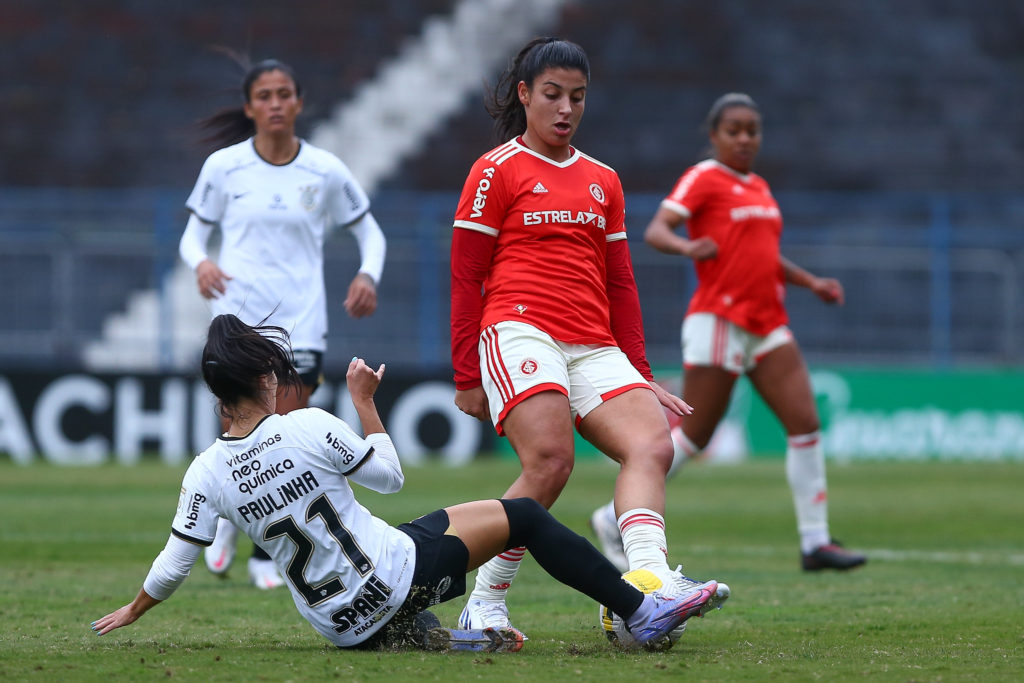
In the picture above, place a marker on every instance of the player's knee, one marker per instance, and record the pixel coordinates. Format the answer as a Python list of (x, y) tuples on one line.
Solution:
[(549, 470), (525, 515)]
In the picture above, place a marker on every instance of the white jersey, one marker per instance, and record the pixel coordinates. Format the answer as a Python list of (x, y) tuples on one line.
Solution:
[(273, 221), (347, 570)]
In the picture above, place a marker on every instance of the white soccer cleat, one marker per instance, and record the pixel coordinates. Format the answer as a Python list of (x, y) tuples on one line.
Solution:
[(263, 574), (221, 553), (606, 529), (484, 614)]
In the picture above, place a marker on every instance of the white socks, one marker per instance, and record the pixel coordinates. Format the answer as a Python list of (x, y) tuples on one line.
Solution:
[(805, 470), (494, 577), (643, 538)]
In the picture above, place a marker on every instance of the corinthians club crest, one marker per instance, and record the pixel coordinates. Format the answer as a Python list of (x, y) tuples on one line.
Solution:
[(307, 196)]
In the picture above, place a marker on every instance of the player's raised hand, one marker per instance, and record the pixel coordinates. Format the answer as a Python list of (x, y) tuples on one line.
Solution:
[(362, 380)]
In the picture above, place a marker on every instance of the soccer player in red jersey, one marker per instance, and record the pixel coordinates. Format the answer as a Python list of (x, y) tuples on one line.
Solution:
[(736, 320), (546, 329)]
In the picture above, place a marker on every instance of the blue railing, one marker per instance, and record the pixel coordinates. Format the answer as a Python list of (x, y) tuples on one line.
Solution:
[(932, 279)]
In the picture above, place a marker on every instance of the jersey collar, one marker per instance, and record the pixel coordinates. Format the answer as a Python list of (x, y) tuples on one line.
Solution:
[(745, 177), (574, 154), (226, 437)]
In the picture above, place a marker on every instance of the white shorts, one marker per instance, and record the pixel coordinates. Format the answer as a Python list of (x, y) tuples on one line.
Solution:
[(518, 360), (712, 340)]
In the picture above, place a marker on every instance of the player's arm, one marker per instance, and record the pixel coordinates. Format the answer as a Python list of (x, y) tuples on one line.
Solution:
[(827, 289), (361, 299), (661, 234), (380, 470), (478, 217), (627, 320), (170, 568), (192, 248)]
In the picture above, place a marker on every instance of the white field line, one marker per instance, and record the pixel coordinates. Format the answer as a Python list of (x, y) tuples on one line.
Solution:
[(972, 557)]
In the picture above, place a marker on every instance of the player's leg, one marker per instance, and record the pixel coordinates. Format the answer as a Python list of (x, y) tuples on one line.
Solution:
[(540, 431), (782, 380), (487, 527), (524, 374), (709, 346), (632, 430)]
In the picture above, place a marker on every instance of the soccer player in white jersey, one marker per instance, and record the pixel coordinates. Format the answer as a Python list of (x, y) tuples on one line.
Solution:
[(275, 198), (546, 329), (284, 480)]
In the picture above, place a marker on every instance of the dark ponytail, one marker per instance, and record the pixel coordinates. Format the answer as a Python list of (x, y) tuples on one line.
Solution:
[(539, 54), (230, 125), (237, 355)]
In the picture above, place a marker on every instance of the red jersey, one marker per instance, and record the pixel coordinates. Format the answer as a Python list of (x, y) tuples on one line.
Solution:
[(745, 282), (551, 224)]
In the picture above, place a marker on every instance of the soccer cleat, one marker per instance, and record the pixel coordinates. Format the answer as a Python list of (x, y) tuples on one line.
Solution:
[(722, 593), (221, 553), (606, 529), (263, 574), (670, 612), (474, 639), (484, 614), (831, 556)]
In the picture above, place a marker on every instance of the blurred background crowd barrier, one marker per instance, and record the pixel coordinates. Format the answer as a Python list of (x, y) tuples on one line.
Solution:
[(891, 143)]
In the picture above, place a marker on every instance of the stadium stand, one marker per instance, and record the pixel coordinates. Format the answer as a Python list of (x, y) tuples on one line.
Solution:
[(887, 145)]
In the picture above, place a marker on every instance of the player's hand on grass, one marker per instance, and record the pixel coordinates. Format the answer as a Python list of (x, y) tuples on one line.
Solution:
[(122, 617), (828, 290), (472, 402), (361, 300), (128, 614), (671, 401), (211, 279)]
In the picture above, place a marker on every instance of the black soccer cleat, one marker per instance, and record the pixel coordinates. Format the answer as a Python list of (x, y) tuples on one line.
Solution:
[(831, 556)]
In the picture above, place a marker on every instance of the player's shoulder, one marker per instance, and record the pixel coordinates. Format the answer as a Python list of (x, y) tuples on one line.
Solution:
[(501, 154), (591, 161), (311, 418), (232, 155)]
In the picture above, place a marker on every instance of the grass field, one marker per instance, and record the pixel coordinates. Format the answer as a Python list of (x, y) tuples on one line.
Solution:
[(941, 599)]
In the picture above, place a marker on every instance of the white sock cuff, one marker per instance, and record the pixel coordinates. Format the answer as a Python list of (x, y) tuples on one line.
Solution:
[(640, 516), (803, 440)]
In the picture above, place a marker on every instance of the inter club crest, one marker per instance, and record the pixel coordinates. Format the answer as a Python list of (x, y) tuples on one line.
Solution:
[(528, 367), (596, 192)]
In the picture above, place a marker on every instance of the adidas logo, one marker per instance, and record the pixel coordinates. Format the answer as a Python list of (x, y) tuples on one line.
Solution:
[(538, 188)]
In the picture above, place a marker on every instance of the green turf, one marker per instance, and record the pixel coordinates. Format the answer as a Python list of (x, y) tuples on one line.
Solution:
[(941, 599)]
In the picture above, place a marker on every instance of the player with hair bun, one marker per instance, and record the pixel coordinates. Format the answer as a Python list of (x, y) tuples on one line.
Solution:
[(546, 329), (736, 320), (275, 198), (284, 481)]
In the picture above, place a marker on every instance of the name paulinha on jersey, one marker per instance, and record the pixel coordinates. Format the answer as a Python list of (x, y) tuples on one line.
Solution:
[(564, 217), (279, 498)]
